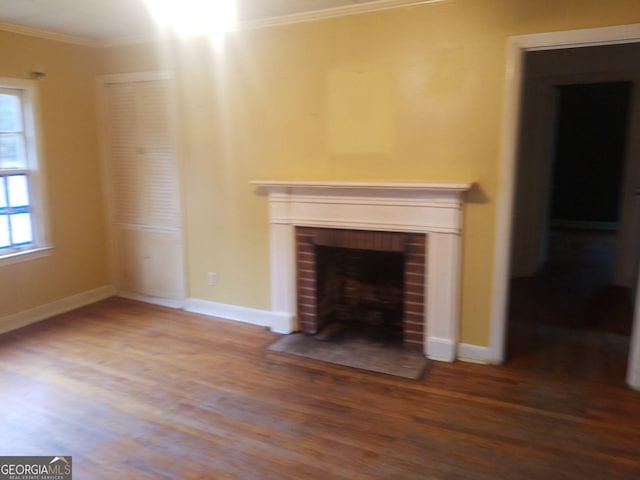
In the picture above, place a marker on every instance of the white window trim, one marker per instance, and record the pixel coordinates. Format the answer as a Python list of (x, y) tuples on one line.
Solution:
[(25, 255), (33, 135)]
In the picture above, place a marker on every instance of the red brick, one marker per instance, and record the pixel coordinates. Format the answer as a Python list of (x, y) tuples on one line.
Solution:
[(307, 300), (306, 271), (416, 288), (306, 296), (307, 310), (411, 277), (306, 256), (306, 281), (414, 268), (413, 336), (414, 328), (410, 297), (416, 258), (414, 318), (413, 333), (307, 328), (305, 248), (413, 346)]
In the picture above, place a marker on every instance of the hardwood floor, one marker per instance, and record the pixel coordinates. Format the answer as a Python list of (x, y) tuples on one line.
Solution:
[(143, 392), (568, 318)]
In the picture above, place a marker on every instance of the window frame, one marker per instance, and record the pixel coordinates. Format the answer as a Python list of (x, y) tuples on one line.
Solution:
[(34, 170)]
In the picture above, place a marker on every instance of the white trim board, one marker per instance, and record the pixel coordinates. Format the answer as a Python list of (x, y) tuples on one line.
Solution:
[(163, 302), (253, 316), (633, 379), (474, 354), (326, 13), (57, 307), (47, 35), (517, 46)]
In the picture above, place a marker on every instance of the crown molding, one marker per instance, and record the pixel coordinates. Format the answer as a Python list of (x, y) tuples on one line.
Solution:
[(125, 41), (312, 16), (323, 14), (47, 35)]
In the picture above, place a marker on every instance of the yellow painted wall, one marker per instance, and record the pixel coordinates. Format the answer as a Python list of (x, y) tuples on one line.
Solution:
[(72, 174), (290, 102)]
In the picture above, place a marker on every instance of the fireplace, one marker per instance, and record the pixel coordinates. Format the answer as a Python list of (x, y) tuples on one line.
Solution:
[(371, 283), (360, 214)]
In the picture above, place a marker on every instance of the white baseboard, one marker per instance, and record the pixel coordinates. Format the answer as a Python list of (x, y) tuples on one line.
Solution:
[(282, 322), (164, 302), (42, 312), (475, 354), (254, 316), (633, 379), (440, 349)]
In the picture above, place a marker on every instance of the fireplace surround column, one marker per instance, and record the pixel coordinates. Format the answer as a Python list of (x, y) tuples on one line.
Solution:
[(283, 273)]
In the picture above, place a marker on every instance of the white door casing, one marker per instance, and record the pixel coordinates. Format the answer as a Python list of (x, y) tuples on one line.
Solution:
[(628, 243), (517, 46)]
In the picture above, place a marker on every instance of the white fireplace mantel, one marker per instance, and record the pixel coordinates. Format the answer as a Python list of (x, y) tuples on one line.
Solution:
[(431, 208)]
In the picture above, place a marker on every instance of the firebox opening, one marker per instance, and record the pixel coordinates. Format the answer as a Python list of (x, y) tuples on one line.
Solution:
[(360, 293)]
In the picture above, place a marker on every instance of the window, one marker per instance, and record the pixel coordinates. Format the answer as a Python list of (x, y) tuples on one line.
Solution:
[(21, 217)]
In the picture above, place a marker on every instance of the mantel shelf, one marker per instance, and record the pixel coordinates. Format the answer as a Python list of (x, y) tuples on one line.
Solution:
[(349, 185)]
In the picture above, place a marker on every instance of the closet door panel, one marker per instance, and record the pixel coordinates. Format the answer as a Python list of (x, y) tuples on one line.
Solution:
[(144, 195)]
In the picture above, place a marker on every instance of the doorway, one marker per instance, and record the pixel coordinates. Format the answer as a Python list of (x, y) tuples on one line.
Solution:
[(576, 44), (568, 316)]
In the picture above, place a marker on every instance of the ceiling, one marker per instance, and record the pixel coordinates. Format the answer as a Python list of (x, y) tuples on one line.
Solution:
[(109, 21)]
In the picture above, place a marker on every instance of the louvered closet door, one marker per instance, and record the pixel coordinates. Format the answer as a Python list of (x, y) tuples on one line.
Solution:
[(143, 189)]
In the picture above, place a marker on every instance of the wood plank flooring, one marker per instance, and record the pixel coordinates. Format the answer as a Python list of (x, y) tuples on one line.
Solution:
[(143, 392), (568, 318)]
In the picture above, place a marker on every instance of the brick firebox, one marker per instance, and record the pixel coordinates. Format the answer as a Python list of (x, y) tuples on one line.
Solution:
[(411, 245)]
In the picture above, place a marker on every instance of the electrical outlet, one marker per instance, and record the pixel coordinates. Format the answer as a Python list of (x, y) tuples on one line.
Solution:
[(212, 278)]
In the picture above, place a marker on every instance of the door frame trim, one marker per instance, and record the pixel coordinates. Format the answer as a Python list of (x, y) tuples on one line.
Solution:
[(517, 46)]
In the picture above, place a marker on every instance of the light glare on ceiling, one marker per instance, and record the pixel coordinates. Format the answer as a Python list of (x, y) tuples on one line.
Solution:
[(195, 17)]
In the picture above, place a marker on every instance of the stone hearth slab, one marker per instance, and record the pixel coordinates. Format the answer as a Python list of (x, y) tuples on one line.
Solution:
[(355, 352)]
